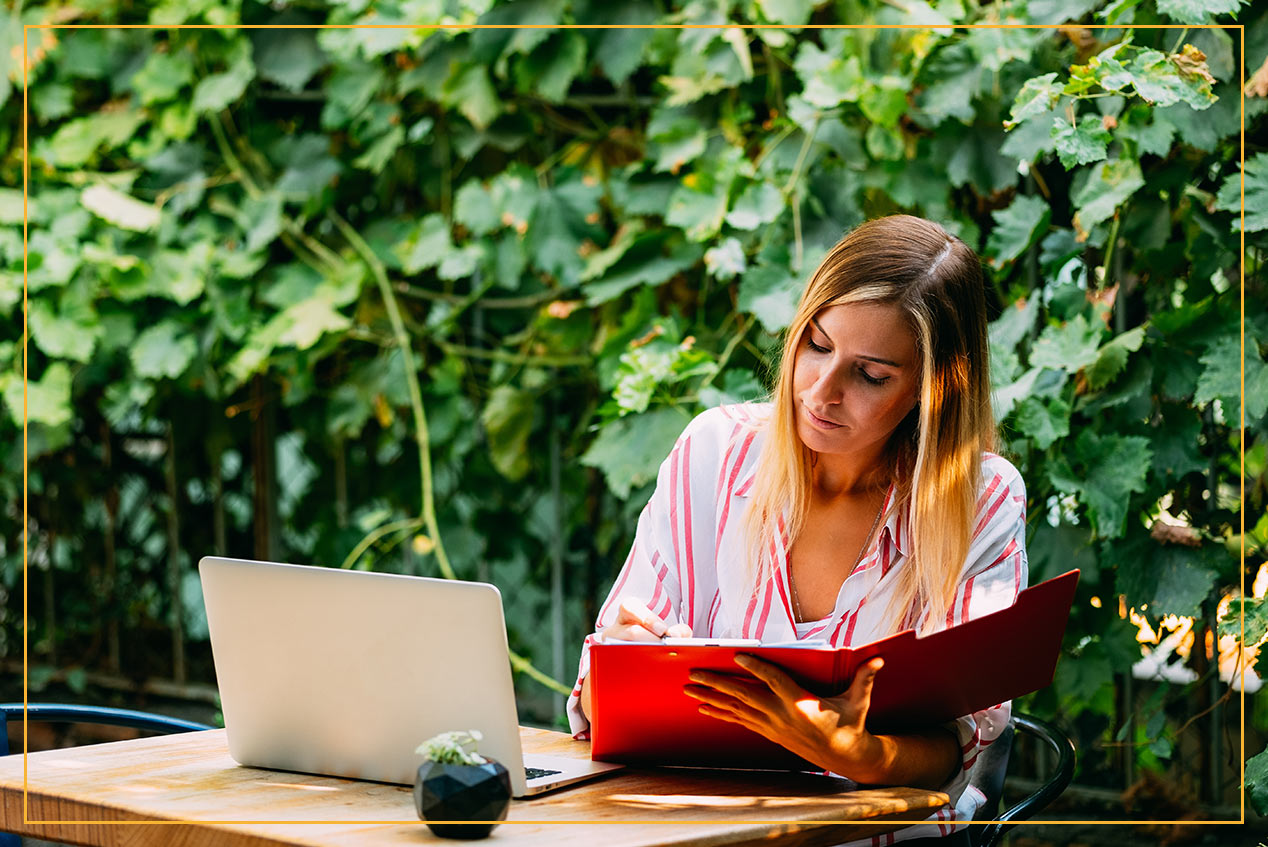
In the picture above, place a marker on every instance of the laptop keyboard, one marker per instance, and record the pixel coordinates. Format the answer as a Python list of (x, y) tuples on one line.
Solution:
[(536, 773)]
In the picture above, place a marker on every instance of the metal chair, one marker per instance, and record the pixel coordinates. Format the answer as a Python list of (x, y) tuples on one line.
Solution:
[(61, 713), (988, 777)]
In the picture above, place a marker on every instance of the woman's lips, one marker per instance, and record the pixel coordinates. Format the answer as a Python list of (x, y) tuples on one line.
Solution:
[(820, 422)]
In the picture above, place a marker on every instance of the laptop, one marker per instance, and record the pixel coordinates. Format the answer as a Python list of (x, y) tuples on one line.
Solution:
[(345, 673)]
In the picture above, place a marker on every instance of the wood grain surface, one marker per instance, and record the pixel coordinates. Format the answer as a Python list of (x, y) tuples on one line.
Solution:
[(186, 790)]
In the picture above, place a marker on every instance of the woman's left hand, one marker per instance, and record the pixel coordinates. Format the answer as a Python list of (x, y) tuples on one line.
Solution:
[(828, 731)]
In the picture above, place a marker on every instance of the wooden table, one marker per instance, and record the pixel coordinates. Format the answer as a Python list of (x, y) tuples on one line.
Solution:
[(185, 789)]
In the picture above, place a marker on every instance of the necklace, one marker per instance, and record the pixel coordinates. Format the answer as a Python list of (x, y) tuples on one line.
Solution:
[(857, 559)]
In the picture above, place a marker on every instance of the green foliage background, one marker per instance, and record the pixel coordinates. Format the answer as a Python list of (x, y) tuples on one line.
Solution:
[(465, 287)]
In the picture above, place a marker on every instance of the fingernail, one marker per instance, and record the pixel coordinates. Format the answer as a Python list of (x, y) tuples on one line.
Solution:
[(742, 660)]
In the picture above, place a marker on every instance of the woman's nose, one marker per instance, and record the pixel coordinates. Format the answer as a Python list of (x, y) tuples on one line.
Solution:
[(828, 387)]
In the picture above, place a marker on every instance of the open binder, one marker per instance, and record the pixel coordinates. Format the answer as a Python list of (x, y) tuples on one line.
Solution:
[(640, 714)]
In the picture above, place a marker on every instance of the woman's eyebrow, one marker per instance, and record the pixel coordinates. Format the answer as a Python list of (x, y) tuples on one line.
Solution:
[(878, 360)]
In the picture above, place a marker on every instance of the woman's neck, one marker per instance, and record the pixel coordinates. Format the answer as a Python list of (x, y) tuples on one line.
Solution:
[(835, 475)]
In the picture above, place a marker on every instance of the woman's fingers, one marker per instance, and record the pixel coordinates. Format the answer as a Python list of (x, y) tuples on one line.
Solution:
[(678, 630), (778, 681), (633, 612), (864, 678)]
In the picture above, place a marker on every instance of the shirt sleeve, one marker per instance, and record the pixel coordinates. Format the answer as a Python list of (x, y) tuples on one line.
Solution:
[(994, 574), (661, 561)]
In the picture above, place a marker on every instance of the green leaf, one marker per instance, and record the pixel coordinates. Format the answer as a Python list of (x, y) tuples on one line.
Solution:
[(770, 293), (885, 101), (559, 226), (828, 81), (1177, 443), (761, 203), (551, 68), (629, 450), (1197, 11), (953, 77), (1230, 195), (1112, 358), (640, 267), (1222, 374), (1108, 185), (163, 350), (75, 141), (47, 399), (737, 385), (427, 246), (304, 323), (699, 213), (349, 91), (181, 275), (470, 92), (1255, 612), (1082, 144), (309, 169), (1016, 228), (1114, 467), (1043, 423), (676, 137), (1037, 96), (726, 260), (380, 151), (474, 209), (163, 76), (787, 12), (508, 421), (217, 91), (70, 332), (288, 57), (120, 209), (1257, 781), (620, 50), (1069, 347), (1158, 80)]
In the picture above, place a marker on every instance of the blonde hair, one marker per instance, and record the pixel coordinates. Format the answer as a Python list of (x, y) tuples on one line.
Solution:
[(934, 454)]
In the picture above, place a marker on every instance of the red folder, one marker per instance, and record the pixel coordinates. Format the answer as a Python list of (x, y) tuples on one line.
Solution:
[(640, 714)]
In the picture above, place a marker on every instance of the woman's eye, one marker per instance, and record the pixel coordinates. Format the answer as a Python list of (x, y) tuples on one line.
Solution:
[(815, 347), (873, 380)]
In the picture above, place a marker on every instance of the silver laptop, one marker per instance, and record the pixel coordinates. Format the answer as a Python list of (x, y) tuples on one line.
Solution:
[(344, 673)]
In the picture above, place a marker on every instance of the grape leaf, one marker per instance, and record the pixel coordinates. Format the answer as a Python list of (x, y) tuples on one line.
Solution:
[(1257, 781), (1038, 96), (215, 92), (770, 292), (1230, 195), (1016, 228), (1222, 374), (47, 399), (1197, 11), (828, 81), (1081, 144), (120, 209), (163, 350), (1112, 358), (761, 203), (630, 449), (1107, 186), (507, 417), (1114, 467), (1068, 347), (288, 57), (1043, 423)]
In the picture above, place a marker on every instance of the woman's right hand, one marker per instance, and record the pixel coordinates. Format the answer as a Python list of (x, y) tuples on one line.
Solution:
[(634, 622)]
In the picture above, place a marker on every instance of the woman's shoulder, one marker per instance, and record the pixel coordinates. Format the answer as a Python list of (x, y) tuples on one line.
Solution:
[(724, 421), (1000, 482)]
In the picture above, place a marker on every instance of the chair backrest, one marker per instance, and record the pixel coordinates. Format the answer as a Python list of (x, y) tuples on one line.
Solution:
[(1059, 743), (987, 775), (63, 713)]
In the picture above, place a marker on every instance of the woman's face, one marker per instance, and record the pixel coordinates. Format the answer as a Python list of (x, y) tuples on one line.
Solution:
[(855, 377)]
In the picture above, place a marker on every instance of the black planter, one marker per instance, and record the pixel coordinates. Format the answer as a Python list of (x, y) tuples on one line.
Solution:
[(462, 793)]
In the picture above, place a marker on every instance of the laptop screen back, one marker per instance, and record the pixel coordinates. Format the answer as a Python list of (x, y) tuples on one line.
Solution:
[(345, 672)]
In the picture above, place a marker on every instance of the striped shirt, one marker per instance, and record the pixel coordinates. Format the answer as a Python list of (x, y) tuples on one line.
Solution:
[(687, 565)]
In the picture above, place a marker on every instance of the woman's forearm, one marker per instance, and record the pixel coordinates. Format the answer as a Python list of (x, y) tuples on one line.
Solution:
[(584, 697), (920, 760)]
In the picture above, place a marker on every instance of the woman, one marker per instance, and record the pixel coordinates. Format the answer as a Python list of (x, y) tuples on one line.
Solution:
[(862, 500)]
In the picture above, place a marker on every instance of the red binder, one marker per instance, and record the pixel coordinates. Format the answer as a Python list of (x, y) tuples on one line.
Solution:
[(640, 714)]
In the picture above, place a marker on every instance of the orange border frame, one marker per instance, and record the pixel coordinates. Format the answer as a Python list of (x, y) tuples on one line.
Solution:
[(26, 169)]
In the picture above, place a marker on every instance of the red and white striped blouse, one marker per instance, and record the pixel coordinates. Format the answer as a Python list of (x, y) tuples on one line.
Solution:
[(688, 565)]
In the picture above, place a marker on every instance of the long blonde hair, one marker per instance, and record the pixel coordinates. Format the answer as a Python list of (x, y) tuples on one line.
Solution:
[(935, 453)]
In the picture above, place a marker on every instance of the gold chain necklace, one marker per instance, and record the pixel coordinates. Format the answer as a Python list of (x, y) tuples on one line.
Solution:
[(867, 538)]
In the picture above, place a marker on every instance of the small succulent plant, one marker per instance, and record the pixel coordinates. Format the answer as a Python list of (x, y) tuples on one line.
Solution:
[(453, 748)]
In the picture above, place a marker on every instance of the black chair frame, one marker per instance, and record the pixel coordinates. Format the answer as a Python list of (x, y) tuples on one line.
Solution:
[(991, 781)]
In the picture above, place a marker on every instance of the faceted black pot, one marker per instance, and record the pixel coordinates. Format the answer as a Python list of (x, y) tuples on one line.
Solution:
[(462, 793)]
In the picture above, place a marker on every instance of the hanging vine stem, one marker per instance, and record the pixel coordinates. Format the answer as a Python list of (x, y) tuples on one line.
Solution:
[(791, 190), (421, 434), (374, 535)]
